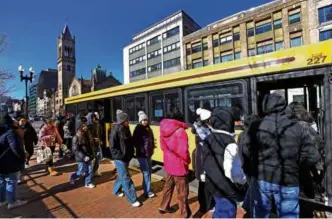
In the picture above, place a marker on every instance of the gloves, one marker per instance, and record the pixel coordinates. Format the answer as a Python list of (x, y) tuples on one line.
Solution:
[(203, 177), (86, 159)]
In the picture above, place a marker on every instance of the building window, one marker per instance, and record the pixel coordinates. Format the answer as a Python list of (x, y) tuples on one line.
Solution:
[(154, 67), (197, 48), (236, 37), (251, 32), (215, 43), (277, 24), (172, 47), (325, 14), (296, 41), (251, 52), (205, 46), (264, 49), (205, 62), (138, 72), (225, 40), (216, 60), (171, 32), (325, 35), (68, 68), (172, 62), (227, 58), (237, 55), (263, 28), (197, 63), (154, 40), (137, 60), (295, 18), (279, 45), (154, 54), (136, 48)]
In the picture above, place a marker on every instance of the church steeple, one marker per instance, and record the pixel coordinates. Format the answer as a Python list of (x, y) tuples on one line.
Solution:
[(66, 32)]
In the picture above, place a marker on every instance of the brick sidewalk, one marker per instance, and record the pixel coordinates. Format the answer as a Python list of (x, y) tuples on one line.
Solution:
[(54, 197)]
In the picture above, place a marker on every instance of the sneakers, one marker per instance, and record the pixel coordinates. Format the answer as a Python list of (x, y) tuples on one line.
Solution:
[(136, 204), (212, 210), (17, 204), (3, 203), (121, 194), (168, 210), (151, 195), (52, 171), (90, 186)]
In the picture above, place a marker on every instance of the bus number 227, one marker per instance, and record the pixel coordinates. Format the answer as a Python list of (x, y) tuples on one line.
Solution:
[(316, 60)]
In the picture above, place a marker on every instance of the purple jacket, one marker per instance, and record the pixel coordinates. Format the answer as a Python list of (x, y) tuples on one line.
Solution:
[(144, 141)]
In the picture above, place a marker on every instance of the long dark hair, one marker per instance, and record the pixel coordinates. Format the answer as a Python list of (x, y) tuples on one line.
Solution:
[(84, 137)]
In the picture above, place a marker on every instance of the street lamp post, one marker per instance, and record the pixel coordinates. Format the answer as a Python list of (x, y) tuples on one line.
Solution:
[(26, 78)]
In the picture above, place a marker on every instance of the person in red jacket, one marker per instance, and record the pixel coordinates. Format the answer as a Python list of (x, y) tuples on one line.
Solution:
[(174, 143)]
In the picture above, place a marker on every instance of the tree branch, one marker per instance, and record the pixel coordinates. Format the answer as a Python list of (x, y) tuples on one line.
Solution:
[(5, 76)]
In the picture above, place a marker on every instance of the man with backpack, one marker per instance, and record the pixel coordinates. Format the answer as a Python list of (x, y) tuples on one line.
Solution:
[(12, 160)]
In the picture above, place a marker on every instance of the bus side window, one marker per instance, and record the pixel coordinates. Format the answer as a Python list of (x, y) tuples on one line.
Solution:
[(116, 105), (163, 104), (210, 96)]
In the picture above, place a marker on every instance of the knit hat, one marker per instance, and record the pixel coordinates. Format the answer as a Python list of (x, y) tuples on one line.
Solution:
[(97, 115), (203, 114), (142, 116), (118, 111), (121, 117)]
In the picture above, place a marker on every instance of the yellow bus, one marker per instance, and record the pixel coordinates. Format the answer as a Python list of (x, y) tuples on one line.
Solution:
[(302, 74)]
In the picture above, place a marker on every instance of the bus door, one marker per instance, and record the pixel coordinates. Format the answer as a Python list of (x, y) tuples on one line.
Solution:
[(307, 91), (313, 89)]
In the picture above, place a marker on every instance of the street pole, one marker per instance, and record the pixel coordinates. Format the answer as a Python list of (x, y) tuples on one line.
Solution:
[(26, 79), (26, 100)]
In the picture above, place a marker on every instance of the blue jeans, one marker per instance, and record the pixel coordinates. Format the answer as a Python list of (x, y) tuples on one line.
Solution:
[(286, 199), (225, 208), (87, 169), (99, 157), (145, 165), (8, 184), (124, 181)]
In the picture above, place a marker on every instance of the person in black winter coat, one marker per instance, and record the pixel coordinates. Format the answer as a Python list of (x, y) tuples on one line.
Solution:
[(144, 144), (12, 159), (122, 150), (201, 129), (222, 163), (83, 149), (30, 139), (311, 180), (273, 151)]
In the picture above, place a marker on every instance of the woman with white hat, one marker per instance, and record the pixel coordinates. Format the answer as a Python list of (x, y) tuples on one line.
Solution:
[(201, 129)]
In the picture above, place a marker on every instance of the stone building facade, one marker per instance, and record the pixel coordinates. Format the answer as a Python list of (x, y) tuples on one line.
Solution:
[(270, 27), (66, 66)]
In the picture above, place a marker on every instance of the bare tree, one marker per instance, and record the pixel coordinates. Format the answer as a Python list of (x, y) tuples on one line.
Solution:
[(5, 76)]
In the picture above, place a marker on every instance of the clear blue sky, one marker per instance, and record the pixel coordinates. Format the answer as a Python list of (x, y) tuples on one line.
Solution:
[(102, 28)]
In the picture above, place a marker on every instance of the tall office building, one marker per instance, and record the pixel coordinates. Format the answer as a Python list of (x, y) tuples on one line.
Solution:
[(267, 28), (157, 50)]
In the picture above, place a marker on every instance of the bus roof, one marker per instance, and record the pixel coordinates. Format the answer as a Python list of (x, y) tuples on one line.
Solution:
[(312, 55)]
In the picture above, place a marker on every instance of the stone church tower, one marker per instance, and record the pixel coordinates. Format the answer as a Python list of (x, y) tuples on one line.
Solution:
[(66, 66)]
